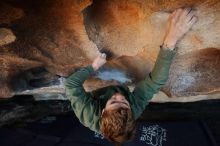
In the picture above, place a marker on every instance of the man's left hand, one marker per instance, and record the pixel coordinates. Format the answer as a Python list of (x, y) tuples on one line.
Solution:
[(99, 61)]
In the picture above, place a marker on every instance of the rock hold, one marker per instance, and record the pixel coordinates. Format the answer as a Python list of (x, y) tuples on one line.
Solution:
[(6, 36)]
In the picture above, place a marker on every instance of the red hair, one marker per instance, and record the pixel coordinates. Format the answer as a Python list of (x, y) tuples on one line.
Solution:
[(118, 125)]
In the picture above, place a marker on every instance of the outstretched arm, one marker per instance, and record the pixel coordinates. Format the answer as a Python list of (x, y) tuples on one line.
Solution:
[(180, 21), (77, 79), (85, 108)]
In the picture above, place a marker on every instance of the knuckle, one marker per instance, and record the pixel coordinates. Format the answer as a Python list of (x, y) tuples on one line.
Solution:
[(172, 20), (181, 10), (178, 24)]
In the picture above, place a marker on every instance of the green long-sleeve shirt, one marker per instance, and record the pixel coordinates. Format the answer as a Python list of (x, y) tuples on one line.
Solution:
[(88, 107)]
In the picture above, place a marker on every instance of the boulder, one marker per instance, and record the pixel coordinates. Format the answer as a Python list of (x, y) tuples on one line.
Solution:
[(55, 38)]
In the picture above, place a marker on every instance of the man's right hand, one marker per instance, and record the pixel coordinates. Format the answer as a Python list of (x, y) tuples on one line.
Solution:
[(99, 61), (179, 23)]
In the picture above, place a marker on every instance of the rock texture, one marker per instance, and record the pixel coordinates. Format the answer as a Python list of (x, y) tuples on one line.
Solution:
[(6, 36), (26, 109), (42, 41), (199, 74)]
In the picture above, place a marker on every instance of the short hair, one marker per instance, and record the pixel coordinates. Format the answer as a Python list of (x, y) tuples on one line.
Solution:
[(118, 125)]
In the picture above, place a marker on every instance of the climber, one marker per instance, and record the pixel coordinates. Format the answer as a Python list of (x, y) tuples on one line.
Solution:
[(113, 113)]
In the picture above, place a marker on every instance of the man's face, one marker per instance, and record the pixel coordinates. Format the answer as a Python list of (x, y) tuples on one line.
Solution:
[(117, 101)]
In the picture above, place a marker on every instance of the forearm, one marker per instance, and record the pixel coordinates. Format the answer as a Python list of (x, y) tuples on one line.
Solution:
[(157, 78), (145, 89), (83, 105), (74, 86), (78, 78), (160, 72)]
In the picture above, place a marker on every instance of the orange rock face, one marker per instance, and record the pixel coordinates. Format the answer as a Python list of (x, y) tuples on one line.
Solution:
[(61, 36), (195, 73)]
